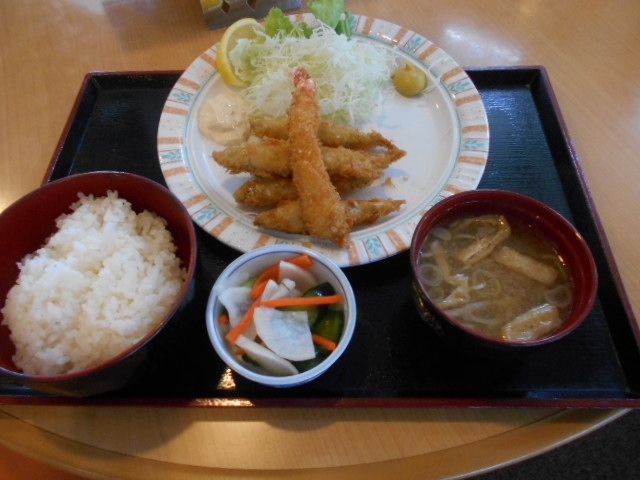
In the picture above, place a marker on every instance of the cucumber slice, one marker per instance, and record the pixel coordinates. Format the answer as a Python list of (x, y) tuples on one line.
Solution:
[(315, 312), (330, 326)]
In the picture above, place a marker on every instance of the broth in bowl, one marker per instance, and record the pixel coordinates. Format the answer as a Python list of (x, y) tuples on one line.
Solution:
[(496, 277)]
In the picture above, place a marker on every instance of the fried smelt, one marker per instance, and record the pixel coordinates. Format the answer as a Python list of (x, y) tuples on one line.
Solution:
[(271, 157), (368, 211), (322, 211), (287, 216), (357, 164), (267, 158), (269, 192), (265, 192), (329, 133)]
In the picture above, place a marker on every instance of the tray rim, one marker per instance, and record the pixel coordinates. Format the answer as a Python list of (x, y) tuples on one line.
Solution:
[(94, 77)]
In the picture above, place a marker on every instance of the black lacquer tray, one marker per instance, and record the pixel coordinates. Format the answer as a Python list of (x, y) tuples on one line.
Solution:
[(394, 359)]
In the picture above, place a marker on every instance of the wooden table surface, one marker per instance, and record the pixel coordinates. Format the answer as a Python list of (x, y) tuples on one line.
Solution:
[(590, 49)]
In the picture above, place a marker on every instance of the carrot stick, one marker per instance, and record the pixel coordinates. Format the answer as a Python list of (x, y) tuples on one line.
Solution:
[(224, 319), (243, 324), (270, 273), (303, 261), (258, 289), (324, 342), (301, 301)]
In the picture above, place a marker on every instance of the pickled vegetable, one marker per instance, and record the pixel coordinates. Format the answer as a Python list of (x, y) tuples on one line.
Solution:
[(268, 320), (409, 80), (314, 312), (330, 326)]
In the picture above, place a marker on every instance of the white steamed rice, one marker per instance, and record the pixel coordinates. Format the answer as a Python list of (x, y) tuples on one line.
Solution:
[(99, 284)]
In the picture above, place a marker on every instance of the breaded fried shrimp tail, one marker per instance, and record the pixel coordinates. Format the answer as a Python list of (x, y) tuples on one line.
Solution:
[(322, 212)]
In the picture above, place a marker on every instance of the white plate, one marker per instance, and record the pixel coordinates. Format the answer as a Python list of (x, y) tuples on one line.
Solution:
[(444, 132)]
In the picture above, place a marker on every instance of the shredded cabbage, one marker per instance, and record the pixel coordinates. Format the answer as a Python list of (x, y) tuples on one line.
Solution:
[(351, 75)]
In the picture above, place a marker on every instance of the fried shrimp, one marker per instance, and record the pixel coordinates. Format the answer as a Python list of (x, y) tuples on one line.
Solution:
[(287, 216), (321, 210), (329, 133)]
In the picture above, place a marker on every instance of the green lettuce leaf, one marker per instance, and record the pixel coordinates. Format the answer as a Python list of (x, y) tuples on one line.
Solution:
[(334, 13), (277, 23)]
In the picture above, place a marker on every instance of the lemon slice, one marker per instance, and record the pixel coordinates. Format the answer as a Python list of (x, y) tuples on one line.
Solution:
[(243, 28)]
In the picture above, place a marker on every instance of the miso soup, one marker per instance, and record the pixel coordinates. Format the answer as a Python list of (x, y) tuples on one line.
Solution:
[(496, 277)]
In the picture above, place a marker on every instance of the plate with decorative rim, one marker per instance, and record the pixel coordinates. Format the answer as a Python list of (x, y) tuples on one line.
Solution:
[(444, 131)]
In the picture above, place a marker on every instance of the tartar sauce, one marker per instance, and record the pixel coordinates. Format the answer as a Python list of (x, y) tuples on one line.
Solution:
[(225, 119)]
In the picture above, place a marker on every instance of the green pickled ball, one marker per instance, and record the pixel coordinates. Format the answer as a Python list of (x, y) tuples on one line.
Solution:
[(409, 80)]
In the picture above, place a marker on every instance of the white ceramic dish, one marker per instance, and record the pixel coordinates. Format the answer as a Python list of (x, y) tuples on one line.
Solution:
[(250, 265), (444, 132)]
